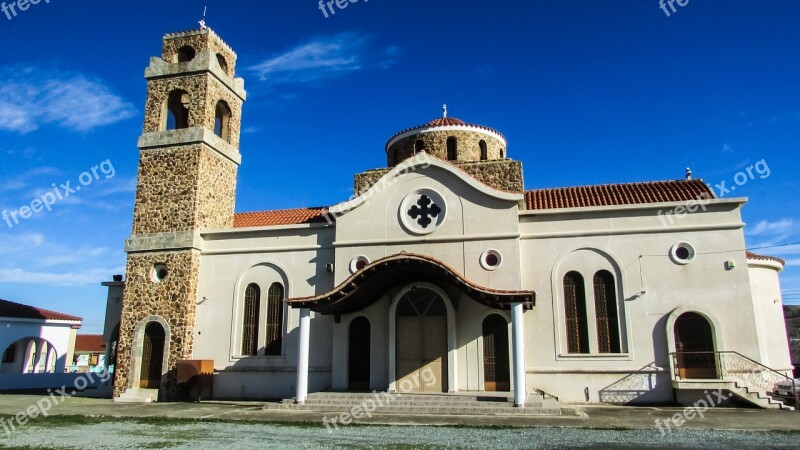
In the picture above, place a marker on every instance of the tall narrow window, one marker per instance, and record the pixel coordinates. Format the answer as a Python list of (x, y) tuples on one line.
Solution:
[(274, 319), (419, 146), (452, 149), (252, 296), (222, 117), (575, 308), (484, 151), (223, 64), (177, 110), (605, 306)]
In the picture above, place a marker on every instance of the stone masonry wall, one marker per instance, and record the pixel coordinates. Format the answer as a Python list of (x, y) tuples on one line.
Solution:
[(182, 189), (204, 91), (435, 143), (174, 299), (198, 40), (504, 175)]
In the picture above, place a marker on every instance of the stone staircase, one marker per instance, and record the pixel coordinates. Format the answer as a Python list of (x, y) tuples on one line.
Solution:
[(756, 397), (743, 377), (138, 395), (538, 403)]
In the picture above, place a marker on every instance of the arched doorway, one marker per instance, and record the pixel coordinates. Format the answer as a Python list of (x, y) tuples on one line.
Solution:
[(496, 372), (694, 344), (152, 356), (421, 343), (358, 355), (111, 360)]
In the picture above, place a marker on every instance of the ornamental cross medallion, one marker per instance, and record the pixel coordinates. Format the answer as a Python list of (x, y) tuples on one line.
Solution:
[(424, 210)]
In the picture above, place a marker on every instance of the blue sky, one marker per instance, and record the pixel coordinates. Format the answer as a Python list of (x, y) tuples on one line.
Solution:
[(586, 92)]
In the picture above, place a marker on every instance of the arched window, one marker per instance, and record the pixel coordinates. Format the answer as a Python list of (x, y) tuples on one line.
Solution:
[(177, 110), (419, 146), (274, 319), (484, 151), (575, 310), (502, 153), (452, 149), (605, 306), (252, 295), (10, 355), (186, 54), (222, 118), (223, 64)]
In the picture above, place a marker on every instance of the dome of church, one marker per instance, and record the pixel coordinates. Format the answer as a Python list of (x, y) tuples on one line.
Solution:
[(447, 138)]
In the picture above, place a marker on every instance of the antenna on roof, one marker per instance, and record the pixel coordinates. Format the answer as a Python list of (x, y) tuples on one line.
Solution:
[(444, 108), (688, 173), (203, 20)]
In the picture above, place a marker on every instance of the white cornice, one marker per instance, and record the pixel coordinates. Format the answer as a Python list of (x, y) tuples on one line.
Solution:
[(469, 128)]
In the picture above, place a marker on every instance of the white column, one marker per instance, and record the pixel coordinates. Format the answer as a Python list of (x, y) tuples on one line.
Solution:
[(302, 355), (518, 342)]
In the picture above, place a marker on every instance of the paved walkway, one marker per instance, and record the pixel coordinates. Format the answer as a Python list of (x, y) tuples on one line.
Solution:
[(574, 416)]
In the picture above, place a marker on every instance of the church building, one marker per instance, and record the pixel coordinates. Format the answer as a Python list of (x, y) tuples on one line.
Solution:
[(441, 275)]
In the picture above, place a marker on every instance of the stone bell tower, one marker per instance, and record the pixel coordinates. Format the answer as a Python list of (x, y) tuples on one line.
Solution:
[(189, 156)]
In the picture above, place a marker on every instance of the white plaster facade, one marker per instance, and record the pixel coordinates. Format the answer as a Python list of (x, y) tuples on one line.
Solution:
[(537, 249)]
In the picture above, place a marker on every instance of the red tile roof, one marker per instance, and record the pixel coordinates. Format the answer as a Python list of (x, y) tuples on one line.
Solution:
[(618, 194), (294, 216), (19, 311), (90, 343), (445, 122), (751, 255)]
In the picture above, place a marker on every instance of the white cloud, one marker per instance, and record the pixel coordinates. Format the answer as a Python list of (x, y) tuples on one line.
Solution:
[(324, 57), (30, 98), (72, 257), (24, 243), (781, 227), (82, 278), (25, 179)]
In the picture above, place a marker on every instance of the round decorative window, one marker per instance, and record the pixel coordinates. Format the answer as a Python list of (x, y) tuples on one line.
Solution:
[(160, 272), (358, 263), (682, 253), (422, 211), (491, 260)]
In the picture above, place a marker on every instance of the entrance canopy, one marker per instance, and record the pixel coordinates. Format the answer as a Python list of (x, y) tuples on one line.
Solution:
[(369, 284)]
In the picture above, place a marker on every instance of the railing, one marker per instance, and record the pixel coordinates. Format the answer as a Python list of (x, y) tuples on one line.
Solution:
[(732, 365)]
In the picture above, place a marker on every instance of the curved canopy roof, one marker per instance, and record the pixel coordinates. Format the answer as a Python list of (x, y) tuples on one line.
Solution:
[(367, 285)]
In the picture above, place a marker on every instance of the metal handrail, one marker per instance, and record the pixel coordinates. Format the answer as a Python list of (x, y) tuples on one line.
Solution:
[(722, 360)]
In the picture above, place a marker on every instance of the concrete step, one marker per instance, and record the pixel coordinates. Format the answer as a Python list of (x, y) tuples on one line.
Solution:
[(757, 397), (138, 395), (416, 410), (448, 404)]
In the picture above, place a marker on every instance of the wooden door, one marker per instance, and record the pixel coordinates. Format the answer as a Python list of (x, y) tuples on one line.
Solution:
[(421, 343), (434, 354), (694, 342), (152, 356), (496, 373)]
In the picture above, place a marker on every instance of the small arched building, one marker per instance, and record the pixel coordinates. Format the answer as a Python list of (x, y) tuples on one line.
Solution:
[(441, 275)]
